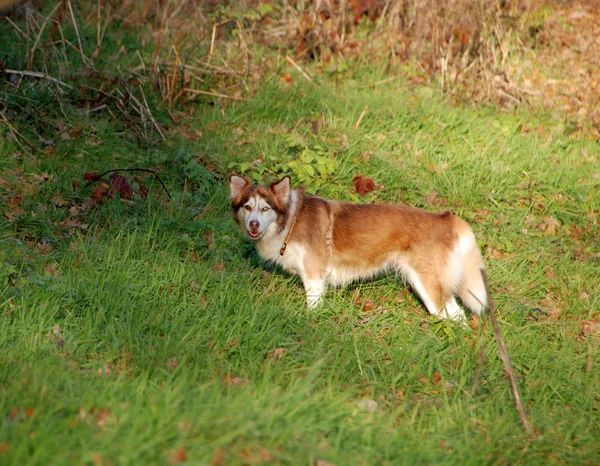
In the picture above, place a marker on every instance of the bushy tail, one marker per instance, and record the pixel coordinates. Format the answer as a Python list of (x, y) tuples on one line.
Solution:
[(474, 291)]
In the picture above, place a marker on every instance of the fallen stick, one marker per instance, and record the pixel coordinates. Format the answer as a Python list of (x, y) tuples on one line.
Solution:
[(362, 114), (504, 356), (38, 74), (300, 70), (213, 94)]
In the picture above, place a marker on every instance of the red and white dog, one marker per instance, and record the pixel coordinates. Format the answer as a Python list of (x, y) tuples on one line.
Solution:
[(325, 241)]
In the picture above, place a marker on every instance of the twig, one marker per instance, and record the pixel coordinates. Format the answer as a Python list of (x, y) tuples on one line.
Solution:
[(504, 354), (362, 114), (531, 173), (38, 74), (480, 356), (31, 53), (214, 94), (83, 57), (171, 89), (101, 30), (214, 35), (246, 51), (19, 30), (300, 70), (149, 113), (145, 170), (15, 133)]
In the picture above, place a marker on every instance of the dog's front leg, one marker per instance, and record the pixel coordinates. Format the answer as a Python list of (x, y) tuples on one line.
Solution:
[(314, 287)]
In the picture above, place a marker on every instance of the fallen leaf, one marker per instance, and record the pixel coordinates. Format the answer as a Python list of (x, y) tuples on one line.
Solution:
[(103, 417), (287, 78), (235, 381), (3, 448), (119, 184), (368, 405), (219, 458), (363, 185), (90, 176), (207, 237), (368, 305), (51, 269), (324, 463), (101, 191), (276, 353), (432, 198), (172, 363), (436, 378), (495, 253), (58, 200), (265, 455), (589, 327), (179, 457)]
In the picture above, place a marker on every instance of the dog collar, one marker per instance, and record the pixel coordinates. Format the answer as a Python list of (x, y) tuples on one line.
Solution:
[(287, 237), (328, 240)]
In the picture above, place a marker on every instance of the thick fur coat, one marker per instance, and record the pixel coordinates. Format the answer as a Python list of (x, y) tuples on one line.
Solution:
[(332, 242)]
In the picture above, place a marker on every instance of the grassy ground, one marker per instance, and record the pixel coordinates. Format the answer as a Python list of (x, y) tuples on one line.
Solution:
[(177, 344)]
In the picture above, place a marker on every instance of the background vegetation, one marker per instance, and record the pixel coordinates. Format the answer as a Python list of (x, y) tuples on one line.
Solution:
[(138, 326)]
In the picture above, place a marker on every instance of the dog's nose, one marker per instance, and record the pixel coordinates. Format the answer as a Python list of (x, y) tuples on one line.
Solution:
[(254, 225)]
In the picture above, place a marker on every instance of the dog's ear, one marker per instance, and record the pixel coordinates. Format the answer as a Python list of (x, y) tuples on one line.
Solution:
[(281, 189), (237, 184)]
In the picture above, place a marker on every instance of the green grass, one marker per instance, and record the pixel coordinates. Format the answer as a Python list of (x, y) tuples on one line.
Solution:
[(169, 319)]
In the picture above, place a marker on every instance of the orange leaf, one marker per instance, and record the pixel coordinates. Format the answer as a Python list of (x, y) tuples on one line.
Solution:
[(179, 457), (101, 191), (363, 185)]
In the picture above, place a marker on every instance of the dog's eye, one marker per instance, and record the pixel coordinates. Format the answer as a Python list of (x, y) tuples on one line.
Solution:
[(247, 207), (265, 208)]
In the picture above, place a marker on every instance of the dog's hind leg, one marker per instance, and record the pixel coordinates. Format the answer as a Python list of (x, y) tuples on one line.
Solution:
[(430, 296), (454, 311), (438, 301)]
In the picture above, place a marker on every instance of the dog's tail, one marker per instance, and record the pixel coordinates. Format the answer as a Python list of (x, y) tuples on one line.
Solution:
[(474, 290)]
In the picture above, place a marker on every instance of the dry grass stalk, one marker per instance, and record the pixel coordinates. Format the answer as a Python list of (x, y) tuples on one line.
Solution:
[(83, 57), (300, 70)]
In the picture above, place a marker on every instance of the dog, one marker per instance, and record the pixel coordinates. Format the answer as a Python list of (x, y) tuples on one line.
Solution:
[(333, 242)]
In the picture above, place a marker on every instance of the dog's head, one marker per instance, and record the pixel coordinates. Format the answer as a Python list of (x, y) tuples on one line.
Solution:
[(258, 209)]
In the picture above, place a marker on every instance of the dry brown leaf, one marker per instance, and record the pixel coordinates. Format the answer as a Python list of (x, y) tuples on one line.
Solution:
[(119, 184), (363, 185), (179, 456), (432, 198), (101, 192), (51, 269), (219, 458), (172, 363), (90, 176), (235, 381), (324, 463), (276, 353)]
